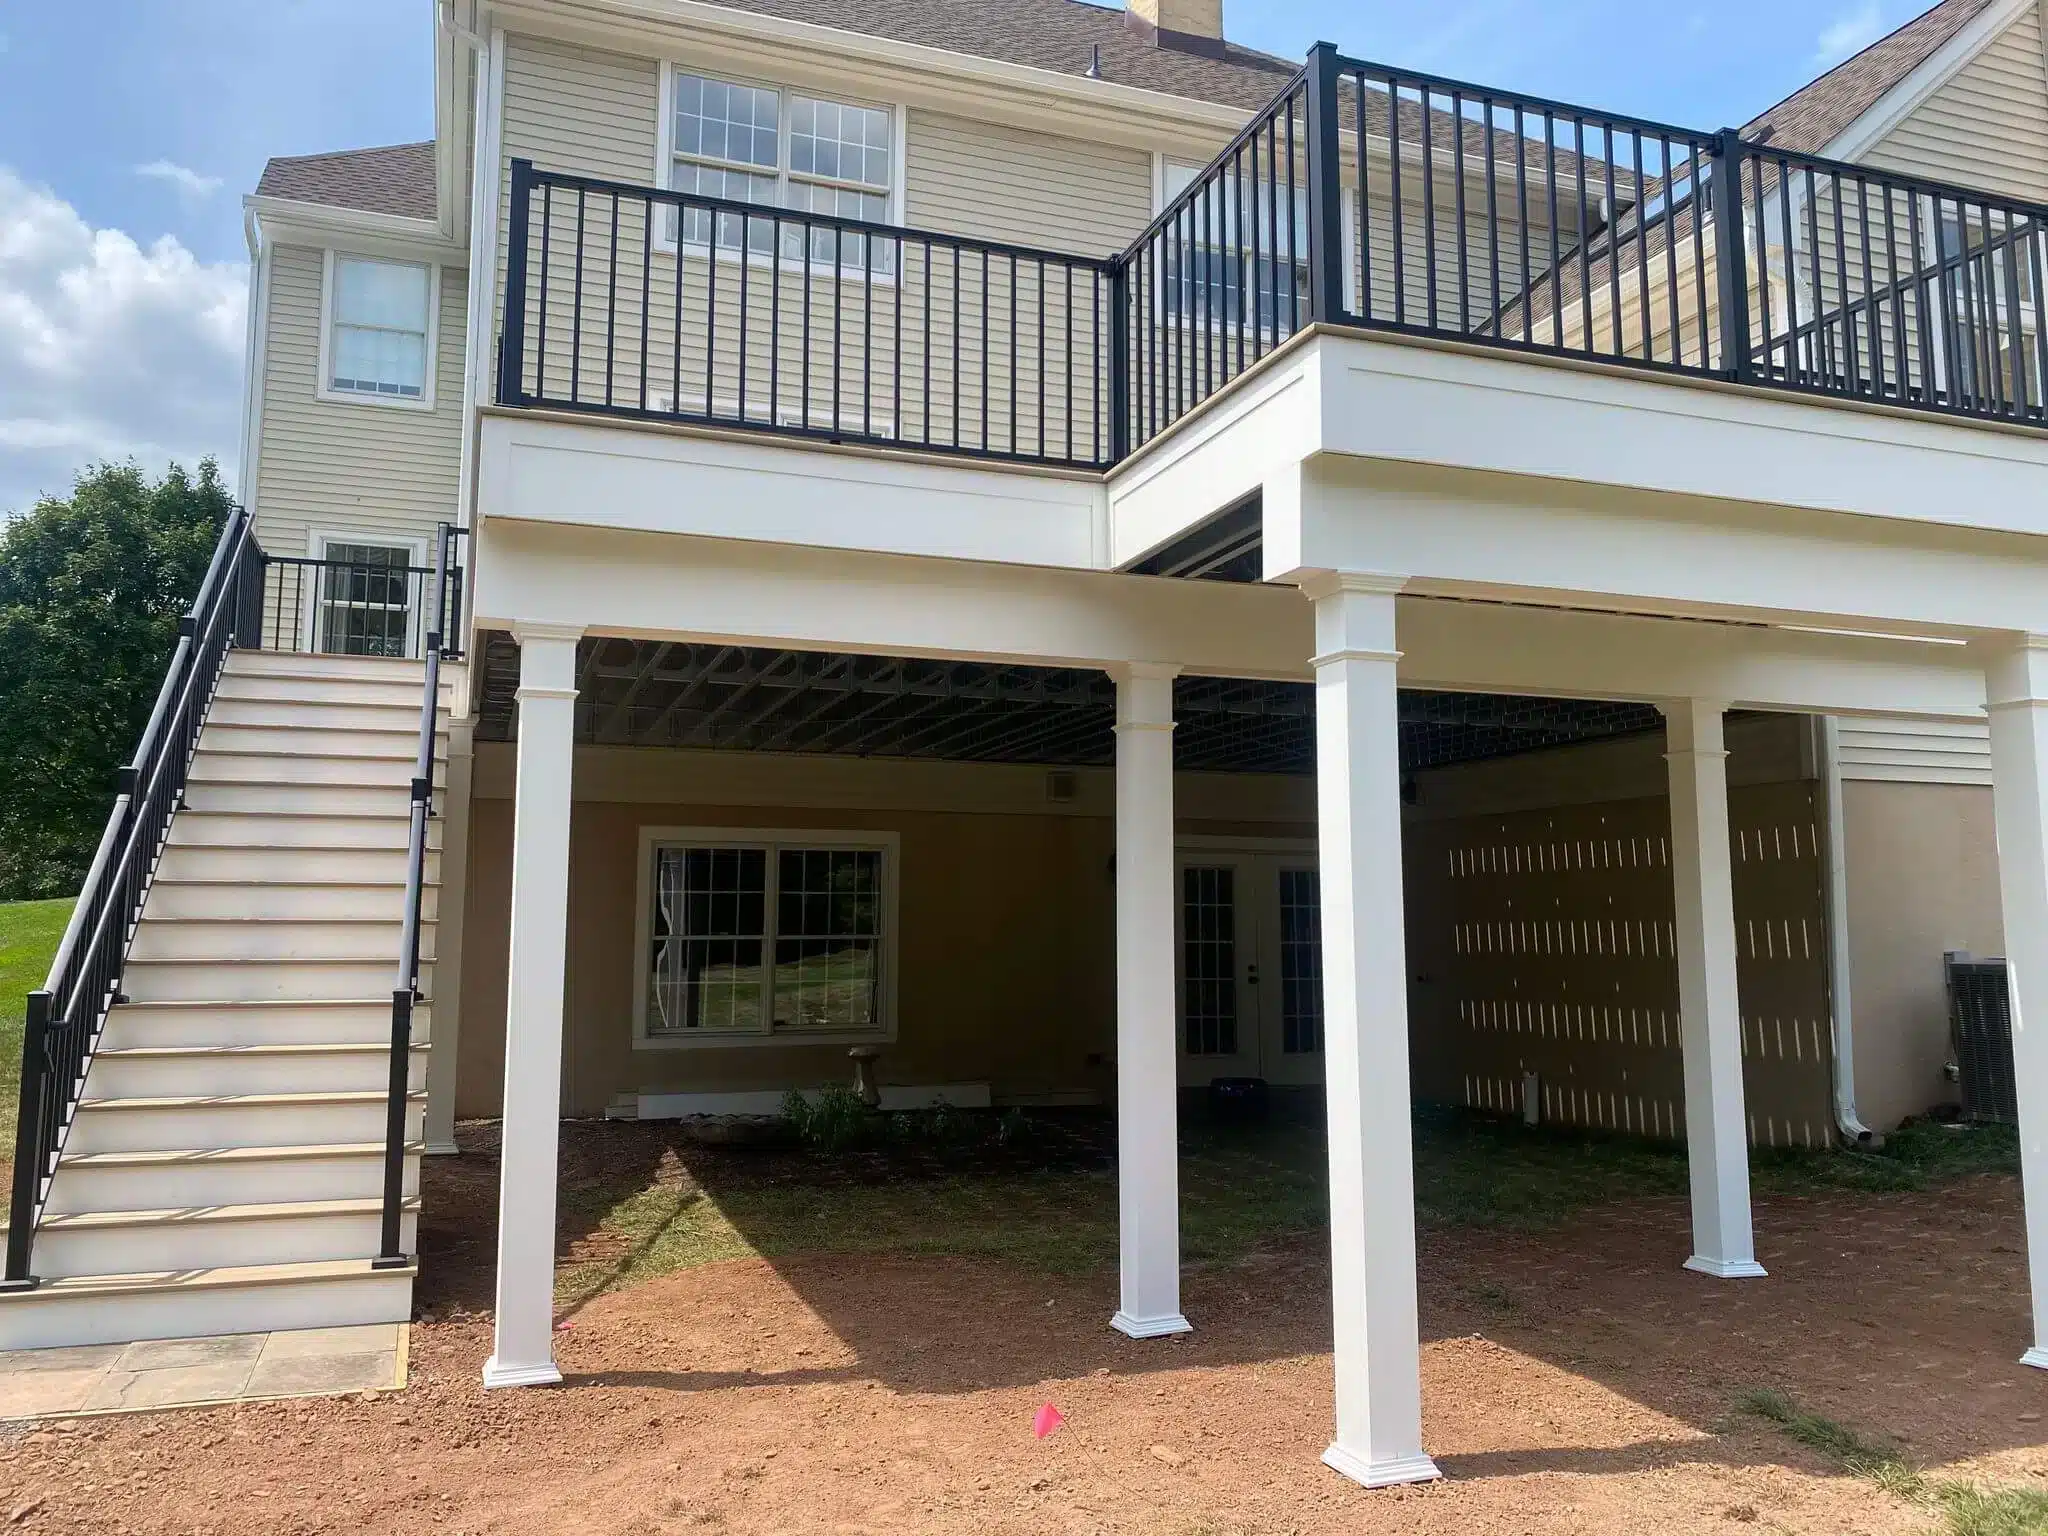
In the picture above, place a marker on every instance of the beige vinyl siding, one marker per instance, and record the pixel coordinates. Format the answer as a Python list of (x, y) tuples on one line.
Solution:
[(995, 183), (1916, 751), (1987, 126), (343, 467), (576, 110)]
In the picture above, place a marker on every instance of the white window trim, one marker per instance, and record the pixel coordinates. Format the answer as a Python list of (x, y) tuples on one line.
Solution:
[(665, 156), (321, 384), (888, 844), (317, 540)]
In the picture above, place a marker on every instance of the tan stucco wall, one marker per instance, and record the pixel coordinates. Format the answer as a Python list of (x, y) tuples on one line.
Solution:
[(1922, 868), (1006, 927)]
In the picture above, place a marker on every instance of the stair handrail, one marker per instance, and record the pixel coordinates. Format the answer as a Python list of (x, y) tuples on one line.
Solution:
[(405, 991), (67, 1014)]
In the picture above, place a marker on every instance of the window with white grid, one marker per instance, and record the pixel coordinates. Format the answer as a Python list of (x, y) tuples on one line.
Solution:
[(1209, 959), (769, 937), (773, 148), (1301, 962)]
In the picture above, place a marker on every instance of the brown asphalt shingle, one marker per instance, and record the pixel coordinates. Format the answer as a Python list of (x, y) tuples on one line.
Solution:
[(398, 179)]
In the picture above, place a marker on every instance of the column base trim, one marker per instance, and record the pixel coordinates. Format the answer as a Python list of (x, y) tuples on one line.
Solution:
[(1388, 1473), (496, 1375), (2037, 1357), (1727, 1269), (1150, 1327), (442, 1149)]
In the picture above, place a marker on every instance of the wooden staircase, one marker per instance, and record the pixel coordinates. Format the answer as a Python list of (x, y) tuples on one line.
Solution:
[(224, 1168)]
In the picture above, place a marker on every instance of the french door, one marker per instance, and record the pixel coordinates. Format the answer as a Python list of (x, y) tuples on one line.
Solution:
[(1249, 975)]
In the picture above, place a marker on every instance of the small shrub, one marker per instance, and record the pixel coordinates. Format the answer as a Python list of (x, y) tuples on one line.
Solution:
[(835, 1120)]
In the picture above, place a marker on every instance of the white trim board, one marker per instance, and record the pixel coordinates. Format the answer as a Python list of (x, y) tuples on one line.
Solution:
[(768, 1101)]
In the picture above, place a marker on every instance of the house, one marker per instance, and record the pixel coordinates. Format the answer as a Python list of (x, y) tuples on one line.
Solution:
[(1034, 541)]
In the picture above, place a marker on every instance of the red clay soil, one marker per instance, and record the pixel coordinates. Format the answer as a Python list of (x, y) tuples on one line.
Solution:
[(1575, 1381)]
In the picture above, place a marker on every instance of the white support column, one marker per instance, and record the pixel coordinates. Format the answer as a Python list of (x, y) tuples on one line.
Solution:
[(1365, 1037), (1709, 1009), (1147, 1063), (451, 907), (524, 1352), (2017, 691)]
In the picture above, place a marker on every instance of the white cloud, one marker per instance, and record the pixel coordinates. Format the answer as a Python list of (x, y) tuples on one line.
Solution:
[(1851, 32), (183, 177), (109, 349)]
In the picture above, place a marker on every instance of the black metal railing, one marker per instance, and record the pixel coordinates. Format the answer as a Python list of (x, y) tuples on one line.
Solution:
[(238, 606), (672, 306), (1360, 196), (373, 602), (391, 1252), (65, 1017)]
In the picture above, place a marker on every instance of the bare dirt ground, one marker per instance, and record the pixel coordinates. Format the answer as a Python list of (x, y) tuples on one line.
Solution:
[(1575, 1380)]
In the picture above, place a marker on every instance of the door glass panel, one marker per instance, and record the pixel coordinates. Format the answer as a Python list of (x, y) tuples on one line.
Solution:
[(1301, 962), (1209, 959), (365, 600)]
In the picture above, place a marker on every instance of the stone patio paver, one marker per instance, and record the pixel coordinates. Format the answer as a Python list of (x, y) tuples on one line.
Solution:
[(175, 1373)]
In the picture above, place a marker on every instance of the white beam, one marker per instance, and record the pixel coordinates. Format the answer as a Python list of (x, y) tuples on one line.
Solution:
[(732, 592), (1365, 1041), (2018, 683), (524, 1345), (1147, 1089), (1710, 1011)]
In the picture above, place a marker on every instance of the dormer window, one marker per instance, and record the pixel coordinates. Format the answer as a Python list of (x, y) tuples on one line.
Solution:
[(777, 149)]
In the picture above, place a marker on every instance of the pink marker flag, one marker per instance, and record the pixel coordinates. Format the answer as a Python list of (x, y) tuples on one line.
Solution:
[(1048, 1419)]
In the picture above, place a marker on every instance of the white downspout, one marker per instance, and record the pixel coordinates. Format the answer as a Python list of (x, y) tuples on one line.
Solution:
[(255, 352), (1835, 893)]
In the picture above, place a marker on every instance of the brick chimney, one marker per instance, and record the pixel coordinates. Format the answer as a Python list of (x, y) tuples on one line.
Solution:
[(1195, 25)]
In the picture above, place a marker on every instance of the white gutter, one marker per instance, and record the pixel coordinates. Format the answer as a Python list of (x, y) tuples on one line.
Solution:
[(255, 357), (1835, 897)]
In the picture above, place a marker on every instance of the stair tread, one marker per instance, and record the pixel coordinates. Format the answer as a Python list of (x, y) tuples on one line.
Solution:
[(247, 1100), (282, 885), (271, 1002), (280, 1210), (266, 959), (270, 815), (205, 1279), (305, 1152)]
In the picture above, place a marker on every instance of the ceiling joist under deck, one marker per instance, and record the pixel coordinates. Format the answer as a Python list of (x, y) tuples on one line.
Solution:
[(648, 693)]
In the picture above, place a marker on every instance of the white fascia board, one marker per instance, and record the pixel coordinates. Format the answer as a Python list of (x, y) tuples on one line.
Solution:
[(1933, 72), (731, 592), (668, 480), (1501, 648), (1471, 408), (1496, 537), (290, 222), (1269, 419), (992, 89)]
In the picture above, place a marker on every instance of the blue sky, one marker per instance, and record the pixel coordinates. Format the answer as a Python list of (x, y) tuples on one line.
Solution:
[(122, 264)]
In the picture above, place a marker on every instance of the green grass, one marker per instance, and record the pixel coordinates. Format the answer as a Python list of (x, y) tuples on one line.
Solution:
[(29, 931), (1964, 1509), (1241, 1187)]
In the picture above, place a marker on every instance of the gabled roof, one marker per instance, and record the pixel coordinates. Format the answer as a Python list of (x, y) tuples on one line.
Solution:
[(1817, 114), (398, 179), (1058, 35)]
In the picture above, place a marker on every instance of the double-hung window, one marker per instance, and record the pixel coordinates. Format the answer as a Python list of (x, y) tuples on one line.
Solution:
[(1227, 259), (764, 936), (774, 148), (380, 324)]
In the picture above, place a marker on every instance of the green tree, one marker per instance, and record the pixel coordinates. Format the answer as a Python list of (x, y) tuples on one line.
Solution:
[(91, 589)]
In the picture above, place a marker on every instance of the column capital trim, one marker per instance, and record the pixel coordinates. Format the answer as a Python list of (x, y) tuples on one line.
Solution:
[(527, 692), (1678, 754), (1140, 671), (524, 630), (1333, 658), (1324, 584)]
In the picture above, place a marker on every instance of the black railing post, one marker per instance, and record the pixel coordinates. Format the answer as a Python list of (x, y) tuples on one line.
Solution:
[(1119, 360), (30, 1143), (251, 578), (1731, 255), (512, 342), (391, 1252), (1325, 189)]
